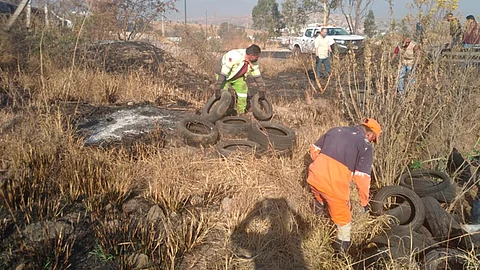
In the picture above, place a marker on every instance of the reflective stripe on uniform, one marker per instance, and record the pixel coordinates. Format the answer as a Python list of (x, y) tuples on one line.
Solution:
[(232, 63), (357, 173), (242, 95)]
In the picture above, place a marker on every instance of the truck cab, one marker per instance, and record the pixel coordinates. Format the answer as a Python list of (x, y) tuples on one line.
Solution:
[(340, 38)]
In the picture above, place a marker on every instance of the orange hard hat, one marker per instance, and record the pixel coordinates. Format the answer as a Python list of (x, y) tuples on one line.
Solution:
[(374, 126)]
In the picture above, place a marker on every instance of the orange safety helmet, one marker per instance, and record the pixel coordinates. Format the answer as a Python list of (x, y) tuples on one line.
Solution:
[(374, 126)]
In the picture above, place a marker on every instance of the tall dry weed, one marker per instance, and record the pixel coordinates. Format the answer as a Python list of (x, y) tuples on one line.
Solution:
[(422, 124)]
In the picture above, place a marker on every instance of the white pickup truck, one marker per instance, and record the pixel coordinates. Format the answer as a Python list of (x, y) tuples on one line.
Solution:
[(342, 40)]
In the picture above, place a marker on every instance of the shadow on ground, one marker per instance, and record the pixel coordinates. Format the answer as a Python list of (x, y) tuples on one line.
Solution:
[(270, 237)]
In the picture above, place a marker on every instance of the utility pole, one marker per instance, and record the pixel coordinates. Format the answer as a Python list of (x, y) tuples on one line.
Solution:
[(185, 1), (206, 21), (163, 23)]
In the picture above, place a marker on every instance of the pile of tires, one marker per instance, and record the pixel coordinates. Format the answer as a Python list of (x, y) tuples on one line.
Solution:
[(237, 134), (420, 224), (198, 132)]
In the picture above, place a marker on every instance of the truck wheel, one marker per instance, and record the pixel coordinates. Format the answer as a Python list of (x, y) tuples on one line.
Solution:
[(296, 51)]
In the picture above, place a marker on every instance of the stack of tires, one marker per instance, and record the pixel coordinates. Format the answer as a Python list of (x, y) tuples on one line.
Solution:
[(421, 225), (237, 134)]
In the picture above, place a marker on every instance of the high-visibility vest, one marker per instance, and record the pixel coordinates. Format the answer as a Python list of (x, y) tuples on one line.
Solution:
[(233, 61)]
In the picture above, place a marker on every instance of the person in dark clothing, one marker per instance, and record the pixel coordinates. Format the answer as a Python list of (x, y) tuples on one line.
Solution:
[(342, 155), (455, 30)]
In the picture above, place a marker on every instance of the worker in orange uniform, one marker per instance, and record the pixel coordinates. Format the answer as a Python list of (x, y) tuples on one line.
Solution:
[(342, 154)]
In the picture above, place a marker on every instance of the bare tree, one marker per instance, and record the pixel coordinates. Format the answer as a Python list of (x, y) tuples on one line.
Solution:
[(130, 18), (355, 12), (297, 12)]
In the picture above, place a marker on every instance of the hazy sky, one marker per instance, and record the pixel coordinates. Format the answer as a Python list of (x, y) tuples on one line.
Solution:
[(197, 9)]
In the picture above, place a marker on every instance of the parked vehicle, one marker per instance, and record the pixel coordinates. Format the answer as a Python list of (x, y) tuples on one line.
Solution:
[(344, 41)]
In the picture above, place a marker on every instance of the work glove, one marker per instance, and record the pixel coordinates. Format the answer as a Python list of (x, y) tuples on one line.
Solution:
[(261, 94)]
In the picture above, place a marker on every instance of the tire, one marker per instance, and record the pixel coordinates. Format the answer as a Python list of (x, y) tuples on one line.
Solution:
[(226, 148), (402, 242), (197, 132), (417, 214), (375, 258), (439, 221), (424, 184), (447, 195), (402, 212), (233, 126), (262, 108), (215, 108), (456, 164), (444, 258), (268, 134), (425, 232), (446, 228)]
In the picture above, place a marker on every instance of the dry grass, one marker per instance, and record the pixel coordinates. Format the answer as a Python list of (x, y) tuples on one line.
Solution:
[(237, 213), (424, 124)]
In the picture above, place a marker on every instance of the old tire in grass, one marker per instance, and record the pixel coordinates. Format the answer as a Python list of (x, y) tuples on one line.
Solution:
[(444, 258), (403, 194), (215, 108), (197, 132), (402, 241), (278, 136), (234, 126), (402, 212), (423, 181), (446, 228), (440, 221), (262, 108), (227, 148), (429, 183), (460, 169)]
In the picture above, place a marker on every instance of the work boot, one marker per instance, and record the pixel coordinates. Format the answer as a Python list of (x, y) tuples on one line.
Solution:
[(317, 207), (340, 247)]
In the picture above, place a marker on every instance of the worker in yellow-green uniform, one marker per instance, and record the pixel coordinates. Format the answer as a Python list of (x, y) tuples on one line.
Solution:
[(235, 66)]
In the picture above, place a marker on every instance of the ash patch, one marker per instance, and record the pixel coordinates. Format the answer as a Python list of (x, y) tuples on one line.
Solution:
[(127, 123)]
